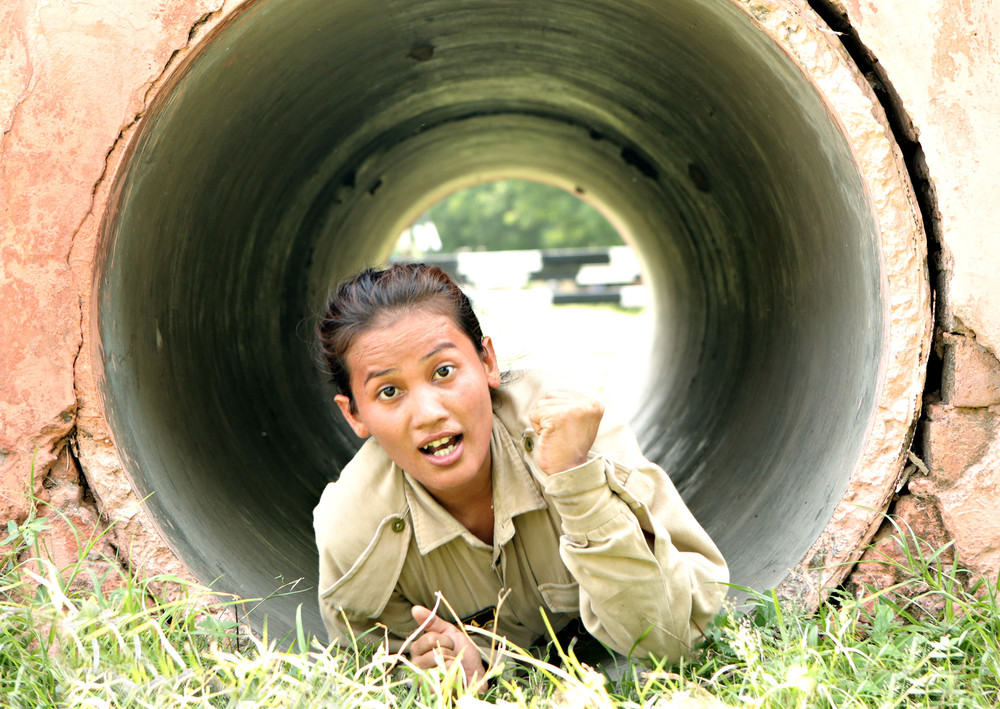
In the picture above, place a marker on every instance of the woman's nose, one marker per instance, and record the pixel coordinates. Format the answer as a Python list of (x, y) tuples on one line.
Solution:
[(428, 408)]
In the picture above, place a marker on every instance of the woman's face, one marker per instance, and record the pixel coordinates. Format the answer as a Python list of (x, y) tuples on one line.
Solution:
[(422, 389)]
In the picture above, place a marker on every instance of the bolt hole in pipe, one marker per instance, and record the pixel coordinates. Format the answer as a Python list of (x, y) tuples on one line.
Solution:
[(302, 136)]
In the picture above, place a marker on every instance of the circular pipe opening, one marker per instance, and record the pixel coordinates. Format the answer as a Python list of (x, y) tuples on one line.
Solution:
[(302, 136)]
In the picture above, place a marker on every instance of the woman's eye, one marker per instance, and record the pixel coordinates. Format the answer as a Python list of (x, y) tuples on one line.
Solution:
[(444, 371), (386, 393)]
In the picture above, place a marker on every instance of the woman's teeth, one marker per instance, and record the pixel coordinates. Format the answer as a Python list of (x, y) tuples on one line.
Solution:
[(441, 447)]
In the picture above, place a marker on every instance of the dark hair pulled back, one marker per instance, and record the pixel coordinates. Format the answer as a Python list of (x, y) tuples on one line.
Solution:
[(372, 297)]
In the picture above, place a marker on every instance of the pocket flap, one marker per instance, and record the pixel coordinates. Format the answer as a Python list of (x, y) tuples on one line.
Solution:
[(561, 597), (366, 587)]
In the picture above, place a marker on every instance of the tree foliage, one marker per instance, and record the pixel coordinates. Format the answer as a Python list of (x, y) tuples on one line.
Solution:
[(518, 214)]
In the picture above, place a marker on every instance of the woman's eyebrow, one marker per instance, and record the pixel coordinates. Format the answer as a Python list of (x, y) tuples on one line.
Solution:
[(439, 348), (382, 372)]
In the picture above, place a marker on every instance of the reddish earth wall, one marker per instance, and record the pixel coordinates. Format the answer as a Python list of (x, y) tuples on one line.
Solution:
[(76, 78), (941, 60)]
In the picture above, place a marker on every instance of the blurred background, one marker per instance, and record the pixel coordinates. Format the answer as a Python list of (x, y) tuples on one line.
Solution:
[(553, 282)]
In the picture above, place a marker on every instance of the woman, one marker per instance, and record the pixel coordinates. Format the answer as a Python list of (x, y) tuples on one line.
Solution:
[(481, 487)]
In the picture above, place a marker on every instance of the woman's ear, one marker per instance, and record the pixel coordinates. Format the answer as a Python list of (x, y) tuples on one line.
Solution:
[(359, 428), (490, 363)]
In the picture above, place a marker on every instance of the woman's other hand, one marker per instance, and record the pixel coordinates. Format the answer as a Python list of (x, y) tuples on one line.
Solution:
[(565, 424), (444, 640)]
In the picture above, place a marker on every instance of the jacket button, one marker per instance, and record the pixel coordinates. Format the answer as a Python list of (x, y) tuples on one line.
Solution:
[(529, 444), (398, 524)]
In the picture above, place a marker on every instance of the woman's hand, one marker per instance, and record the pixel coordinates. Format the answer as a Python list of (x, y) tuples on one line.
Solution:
[(566, 424), (441, 639)]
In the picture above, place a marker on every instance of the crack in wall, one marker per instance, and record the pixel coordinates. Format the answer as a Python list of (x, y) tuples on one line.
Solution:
[(125, 133), (15, 111), (913, 158), (26, 92), (128, 128), (902, 132), (88, 500), (958, 422)]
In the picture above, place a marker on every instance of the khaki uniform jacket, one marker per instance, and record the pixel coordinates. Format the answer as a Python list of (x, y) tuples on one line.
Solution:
[(610, 542)]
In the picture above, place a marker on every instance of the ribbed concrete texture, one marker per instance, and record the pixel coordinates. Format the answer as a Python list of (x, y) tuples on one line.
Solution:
[(183, 180)]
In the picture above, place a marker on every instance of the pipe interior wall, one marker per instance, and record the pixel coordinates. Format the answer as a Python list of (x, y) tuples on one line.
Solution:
[(304, 134)]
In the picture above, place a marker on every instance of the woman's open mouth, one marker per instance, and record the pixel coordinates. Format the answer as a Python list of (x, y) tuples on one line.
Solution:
[(442, 447)]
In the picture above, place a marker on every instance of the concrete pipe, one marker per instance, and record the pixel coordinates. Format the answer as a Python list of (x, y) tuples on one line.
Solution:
[(736, 147)]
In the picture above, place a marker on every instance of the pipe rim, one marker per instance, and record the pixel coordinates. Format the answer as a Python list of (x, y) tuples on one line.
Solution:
[(903, 252)]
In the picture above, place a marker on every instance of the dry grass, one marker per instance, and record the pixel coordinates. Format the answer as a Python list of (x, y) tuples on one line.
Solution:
[(63, 645)]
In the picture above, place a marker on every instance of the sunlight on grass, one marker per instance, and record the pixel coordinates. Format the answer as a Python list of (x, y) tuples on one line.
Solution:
[(133, 647)]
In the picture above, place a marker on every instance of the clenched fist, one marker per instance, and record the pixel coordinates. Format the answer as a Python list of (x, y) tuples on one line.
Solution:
[(565, 424)]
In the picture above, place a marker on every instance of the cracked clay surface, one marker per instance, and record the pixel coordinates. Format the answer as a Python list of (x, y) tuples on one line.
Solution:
[(71, 71)]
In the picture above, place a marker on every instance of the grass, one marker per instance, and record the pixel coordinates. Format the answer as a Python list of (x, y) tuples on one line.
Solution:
[(67, 643)]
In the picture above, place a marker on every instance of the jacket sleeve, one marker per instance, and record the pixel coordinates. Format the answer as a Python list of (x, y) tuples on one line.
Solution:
[(360, 561), (650, 577)]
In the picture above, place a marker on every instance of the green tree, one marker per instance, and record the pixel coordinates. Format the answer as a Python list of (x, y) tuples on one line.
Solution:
[(518, 214)]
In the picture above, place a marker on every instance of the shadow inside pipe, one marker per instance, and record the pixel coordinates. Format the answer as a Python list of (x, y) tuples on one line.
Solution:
[(303, 135)]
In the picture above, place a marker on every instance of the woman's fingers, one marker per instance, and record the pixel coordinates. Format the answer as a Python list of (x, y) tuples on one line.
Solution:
[(429, 642), (443, 641), (435, 624), (437, 641)]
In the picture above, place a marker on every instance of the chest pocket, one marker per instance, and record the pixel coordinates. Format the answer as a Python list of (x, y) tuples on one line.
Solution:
[(561, 597)]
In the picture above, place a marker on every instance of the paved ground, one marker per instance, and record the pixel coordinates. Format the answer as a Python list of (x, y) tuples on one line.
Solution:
[(605, 349)]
